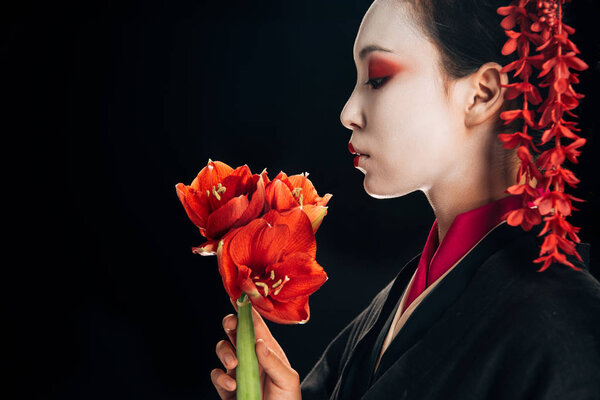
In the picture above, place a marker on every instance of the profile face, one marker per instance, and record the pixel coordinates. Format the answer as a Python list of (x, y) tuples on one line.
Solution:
[(398, 112)]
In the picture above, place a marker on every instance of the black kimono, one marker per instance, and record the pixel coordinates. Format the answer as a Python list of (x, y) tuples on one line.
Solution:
[(493, 328)]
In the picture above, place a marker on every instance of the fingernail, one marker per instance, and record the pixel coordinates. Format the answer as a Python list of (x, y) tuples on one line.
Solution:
[(227, 322), (230, 384), (229, 360), (266, 349)]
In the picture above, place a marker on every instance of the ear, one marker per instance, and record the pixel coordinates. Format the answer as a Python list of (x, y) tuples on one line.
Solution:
[(486, 96)]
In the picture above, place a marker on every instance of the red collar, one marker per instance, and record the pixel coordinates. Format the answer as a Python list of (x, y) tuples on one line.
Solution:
[(466, 231)]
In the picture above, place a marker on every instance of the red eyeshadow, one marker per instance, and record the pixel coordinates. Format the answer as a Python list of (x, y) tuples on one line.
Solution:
[(380, 67)]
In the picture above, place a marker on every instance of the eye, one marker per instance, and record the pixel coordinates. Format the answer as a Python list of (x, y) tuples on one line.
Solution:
[(376, 83)]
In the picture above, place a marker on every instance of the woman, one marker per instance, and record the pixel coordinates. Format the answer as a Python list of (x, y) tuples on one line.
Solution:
[(483, 323)]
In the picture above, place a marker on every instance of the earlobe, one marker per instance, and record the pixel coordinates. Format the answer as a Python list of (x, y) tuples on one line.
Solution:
[(488, 94)]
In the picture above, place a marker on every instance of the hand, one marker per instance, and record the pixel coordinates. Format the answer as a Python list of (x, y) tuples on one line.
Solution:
[(278, 380)]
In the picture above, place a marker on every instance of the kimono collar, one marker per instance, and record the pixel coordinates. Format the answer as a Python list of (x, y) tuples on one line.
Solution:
[(466, 231)]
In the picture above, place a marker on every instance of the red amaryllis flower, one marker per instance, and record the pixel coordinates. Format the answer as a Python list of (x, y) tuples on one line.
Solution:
[(272, 260), (218, 201), (284, 193)]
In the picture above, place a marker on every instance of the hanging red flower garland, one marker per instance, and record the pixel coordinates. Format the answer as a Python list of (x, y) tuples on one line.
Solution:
[(540, 23)]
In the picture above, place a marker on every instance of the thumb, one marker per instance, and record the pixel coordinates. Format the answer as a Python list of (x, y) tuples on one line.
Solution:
[(282, 375)]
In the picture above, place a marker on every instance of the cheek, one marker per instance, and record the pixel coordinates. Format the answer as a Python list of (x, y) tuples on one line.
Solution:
[(412, 132)]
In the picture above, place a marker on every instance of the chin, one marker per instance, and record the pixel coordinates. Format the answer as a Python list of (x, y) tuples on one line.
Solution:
[(381, 189), (378, 191)]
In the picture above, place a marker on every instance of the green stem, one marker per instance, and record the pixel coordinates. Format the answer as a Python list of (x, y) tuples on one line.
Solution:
[(247, 377)]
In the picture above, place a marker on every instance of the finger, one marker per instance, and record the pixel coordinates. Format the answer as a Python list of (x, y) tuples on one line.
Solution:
[(226, 354), (229, 325), (224, 384), (261, 331), (280, 372)]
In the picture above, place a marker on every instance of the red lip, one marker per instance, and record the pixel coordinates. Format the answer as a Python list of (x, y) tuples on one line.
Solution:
[(354, 151), (351, 148)]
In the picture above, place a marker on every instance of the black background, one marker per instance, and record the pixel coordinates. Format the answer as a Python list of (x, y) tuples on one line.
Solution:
[(114, 103)]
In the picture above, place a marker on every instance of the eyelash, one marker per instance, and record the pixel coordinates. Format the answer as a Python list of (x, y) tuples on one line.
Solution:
[(376, 83)]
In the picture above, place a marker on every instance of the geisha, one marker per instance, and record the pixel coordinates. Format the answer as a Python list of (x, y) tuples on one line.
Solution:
[(470, 316)]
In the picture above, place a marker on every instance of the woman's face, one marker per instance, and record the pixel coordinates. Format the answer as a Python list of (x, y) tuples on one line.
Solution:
[(398, 113)]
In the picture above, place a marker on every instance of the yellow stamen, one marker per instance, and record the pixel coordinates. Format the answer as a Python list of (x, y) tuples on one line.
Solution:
[(264, 286), (272, 275), (215, 193), (296, 193), (276, 284), (207, 193), (276, 292)]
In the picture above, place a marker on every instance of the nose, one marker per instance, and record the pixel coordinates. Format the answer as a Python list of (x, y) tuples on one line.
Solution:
[(351, 115)]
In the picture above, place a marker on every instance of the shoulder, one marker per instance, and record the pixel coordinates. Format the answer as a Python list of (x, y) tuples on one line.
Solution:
[(559, 293), (557, 287), (554, 314), (544, 326)]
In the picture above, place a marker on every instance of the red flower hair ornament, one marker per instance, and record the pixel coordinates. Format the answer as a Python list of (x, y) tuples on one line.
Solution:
[(540, 24)]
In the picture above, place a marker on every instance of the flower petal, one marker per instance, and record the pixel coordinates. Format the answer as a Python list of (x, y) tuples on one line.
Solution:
[(301, 236), (304, 273), (247, 286), (195, 204), (279, 196), (221, 220), (315, 214), (208, 248), (257, 204), (211, 175), (268, 245), (237, 183), (228, 270), (295, 311), (241, 247)]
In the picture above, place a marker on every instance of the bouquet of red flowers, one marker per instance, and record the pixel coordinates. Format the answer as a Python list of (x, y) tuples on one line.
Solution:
[(263, 234)]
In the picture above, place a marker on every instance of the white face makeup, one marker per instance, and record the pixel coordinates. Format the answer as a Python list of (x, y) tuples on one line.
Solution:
[(398, 112)]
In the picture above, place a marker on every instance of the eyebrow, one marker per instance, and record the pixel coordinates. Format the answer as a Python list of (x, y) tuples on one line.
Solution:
[(371, 48)]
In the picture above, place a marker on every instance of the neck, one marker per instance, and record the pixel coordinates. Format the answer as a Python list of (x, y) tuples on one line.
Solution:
[(470, 184)]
